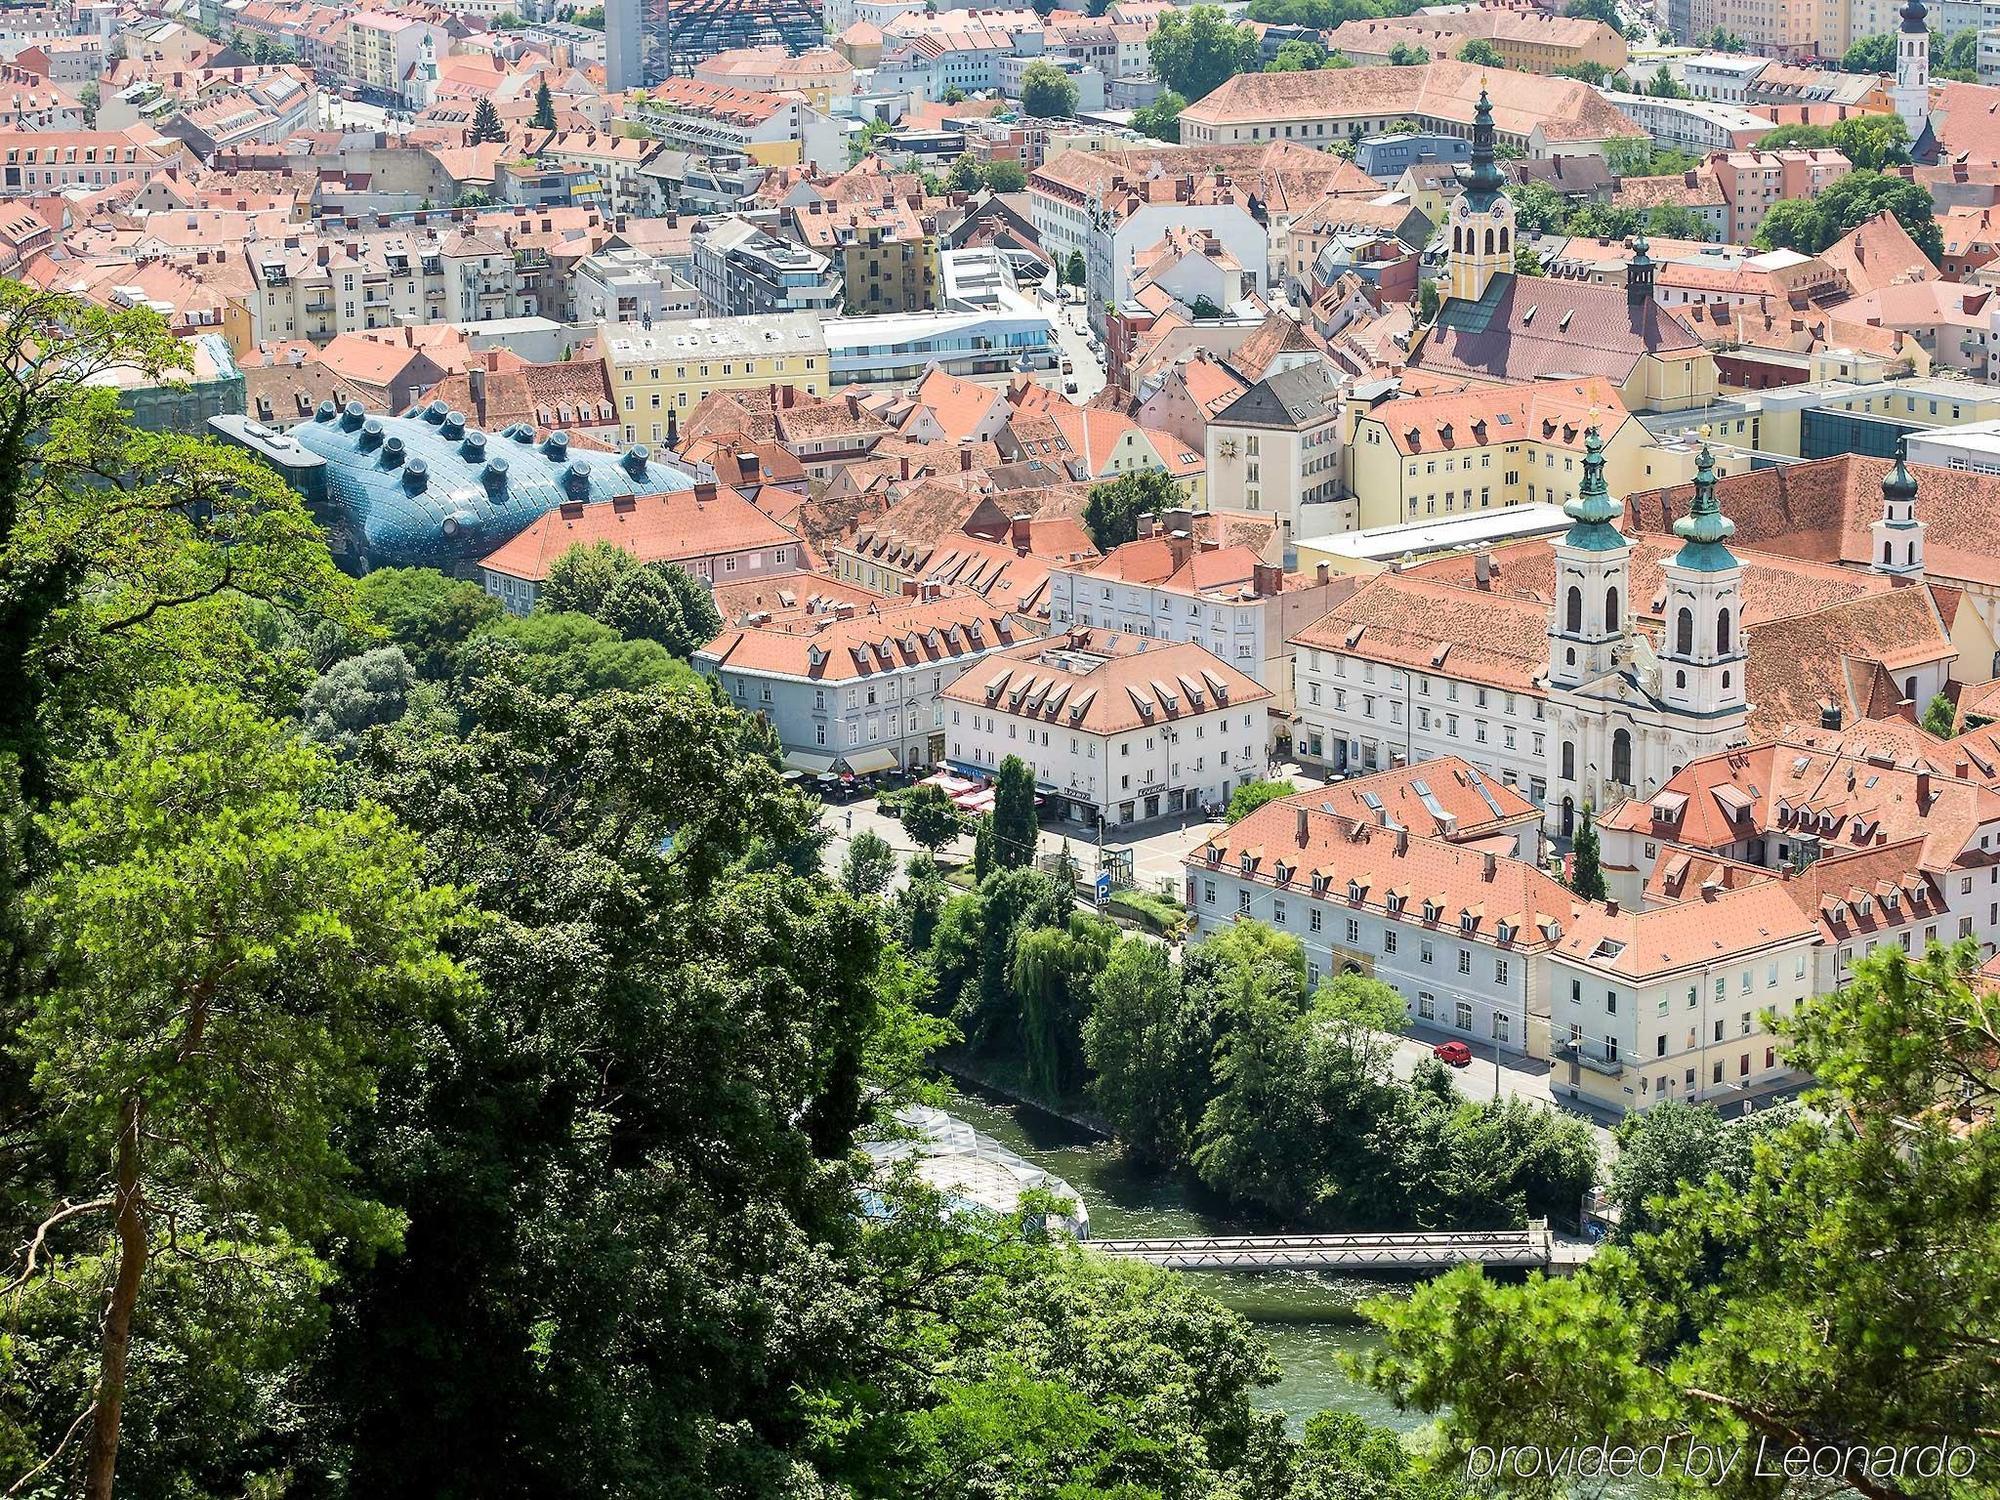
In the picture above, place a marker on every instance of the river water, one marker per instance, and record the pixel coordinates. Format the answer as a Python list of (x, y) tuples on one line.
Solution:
[(1310, 1320)]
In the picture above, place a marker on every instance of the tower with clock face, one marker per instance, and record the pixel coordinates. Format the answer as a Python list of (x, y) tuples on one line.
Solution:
[(1482, 220)]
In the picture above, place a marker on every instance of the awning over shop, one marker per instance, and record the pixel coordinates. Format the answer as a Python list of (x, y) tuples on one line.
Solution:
[(866, 762), (806, 761)]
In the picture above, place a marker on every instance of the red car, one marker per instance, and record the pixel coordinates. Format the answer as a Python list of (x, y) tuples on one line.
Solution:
[(1452, 1054)]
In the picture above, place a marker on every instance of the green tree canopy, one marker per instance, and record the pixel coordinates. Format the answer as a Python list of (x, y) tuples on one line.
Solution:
[(1835, 1295), (424, 613), (1810, 225), (1004, 176), (1586, 876), (1796, 137), (1298, 56), (486, 124), (1405, 55), (1252, 795), (1047, 92), (232, 956), (1871, 54), (1481, 53), (1112, 512), (1195, 51), (544, 117), (1162, 118), (929, 816), (1872, 142), (1014, 824)]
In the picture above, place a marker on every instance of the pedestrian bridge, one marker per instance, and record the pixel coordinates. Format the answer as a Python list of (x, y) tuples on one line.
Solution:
[(1534, 1249)]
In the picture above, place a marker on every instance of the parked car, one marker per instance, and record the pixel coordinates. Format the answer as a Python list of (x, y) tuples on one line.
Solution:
[(1453, 1054)]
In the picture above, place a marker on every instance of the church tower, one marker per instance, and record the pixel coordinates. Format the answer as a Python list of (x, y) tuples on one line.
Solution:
[(1587, 626), (1899, 535), (1482, 221), (1702, 653), (1912, 94)]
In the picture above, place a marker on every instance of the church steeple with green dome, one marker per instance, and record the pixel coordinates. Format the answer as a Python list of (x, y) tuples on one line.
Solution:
[(1593, 510), (1705, 531)]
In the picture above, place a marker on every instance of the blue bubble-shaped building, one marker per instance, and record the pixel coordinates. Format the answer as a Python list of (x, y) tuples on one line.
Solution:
[(426, 490)]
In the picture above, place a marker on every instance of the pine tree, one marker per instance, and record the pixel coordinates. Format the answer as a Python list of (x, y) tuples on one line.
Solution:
[(1586, 873), (1014, 826), (486, 124), (982, 848), (545, 108)]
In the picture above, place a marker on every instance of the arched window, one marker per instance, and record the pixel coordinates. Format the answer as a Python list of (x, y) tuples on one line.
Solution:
[(1885, 554), (1684, 633), (1911, 551), (1458, 237), (1489, 242), (1680, 679), (1573, 611), (1722, 632), (1569, 760), (1621, 757), (1910, 688), (1610, 609), (1504, 236), (1725, 682)]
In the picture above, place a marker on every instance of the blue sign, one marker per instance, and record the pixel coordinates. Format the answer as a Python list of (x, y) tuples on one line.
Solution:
[(1103, 886)]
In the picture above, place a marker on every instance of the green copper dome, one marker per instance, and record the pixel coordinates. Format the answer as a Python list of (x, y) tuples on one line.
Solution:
[(1705, 531), (1593, 510)]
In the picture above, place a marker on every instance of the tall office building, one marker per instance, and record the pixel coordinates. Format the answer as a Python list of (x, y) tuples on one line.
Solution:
[(648, 40)]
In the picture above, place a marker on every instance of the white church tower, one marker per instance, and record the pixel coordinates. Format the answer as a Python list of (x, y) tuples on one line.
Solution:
[(1912, 93), (1593, 594), (1702, 650), (1899, 535)]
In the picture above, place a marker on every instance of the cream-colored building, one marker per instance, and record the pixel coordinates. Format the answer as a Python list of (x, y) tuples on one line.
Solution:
[(664, 371)]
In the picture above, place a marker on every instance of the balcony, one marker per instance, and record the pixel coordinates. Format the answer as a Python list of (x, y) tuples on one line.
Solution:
[(1581, 1054)]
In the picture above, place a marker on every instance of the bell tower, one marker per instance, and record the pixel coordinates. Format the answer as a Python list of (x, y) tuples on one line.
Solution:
[(1702, 656), (1482, 220), (1593, 594), (1912, 94), (1899, 535)]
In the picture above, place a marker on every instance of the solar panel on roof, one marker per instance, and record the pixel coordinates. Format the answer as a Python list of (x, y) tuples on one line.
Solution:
[(1429, 798)]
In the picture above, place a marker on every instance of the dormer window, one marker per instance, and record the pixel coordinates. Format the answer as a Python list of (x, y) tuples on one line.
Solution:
[(1467, 922), (1248, 863), (1503, 932), (1432, 911), (1356, 890), (1394, 904)]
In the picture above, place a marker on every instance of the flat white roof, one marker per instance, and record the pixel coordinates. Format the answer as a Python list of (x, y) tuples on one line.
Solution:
[(1387, 543)]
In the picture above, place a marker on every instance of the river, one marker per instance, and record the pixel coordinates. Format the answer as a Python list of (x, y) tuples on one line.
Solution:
[(1309, 1319)]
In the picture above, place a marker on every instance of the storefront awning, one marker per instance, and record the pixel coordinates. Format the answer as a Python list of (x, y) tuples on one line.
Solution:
[(806, 761), (865, 762)]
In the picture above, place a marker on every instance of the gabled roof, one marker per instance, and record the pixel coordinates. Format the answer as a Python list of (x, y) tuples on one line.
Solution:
[(1535, 327)]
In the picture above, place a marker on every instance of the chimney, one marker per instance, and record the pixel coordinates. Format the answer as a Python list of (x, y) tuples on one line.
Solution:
[(1266, 580), (1709, 890), (1489, 865), (911, 588), (1829, 714), (1611, 906), (903, 467), (1402, 841), (1482, 568), (746, 467), (704, 492), (965, 460), (1923, 791), (1302, 825), (1019, 530), (1322, 573), (1179, 549)]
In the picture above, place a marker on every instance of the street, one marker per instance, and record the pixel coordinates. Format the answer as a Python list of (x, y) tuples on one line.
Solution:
[(1072, 336)]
